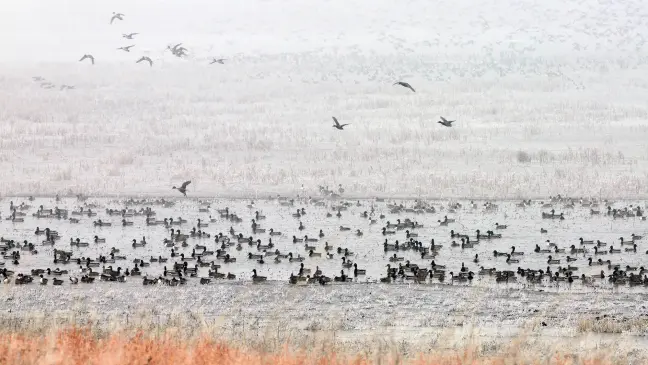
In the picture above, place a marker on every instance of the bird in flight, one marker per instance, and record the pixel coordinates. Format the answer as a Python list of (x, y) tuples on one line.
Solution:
[(177, 50), (338, 125), (127, 48), (183, 187), (89, 56), (147, 59), (116, 16), (405, 84), (219, 60), (447, 123), (130, 35)]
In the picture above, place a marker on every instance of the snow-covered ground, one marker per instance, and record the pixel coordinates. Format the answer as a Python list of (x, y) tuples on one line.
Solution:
[(548, 97), (418, 317)]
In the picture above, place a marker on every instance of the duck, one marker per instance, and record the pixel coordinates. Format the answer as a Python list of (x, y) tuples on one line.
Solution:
[(358, 272), (256, 278)]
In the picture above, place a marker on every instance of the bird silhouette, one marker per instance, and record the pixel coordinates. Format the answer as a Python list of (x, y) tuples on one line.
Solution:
[(127, 48), (116, 16), (447, 123), (219, 60), (130, 35), (405, 84), (88, 56), (177, 50), (147, 59), (183, 187), (338, 125)]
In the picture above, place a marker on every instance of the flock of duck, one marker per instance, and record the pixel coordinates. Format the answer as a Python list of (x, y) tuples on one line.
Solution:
[(177, 50), (180, 51), (224, 244)]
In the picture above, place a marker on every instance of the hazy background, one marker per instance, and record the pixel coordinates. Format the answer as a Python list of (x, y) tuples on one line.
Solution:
[(549, 97)]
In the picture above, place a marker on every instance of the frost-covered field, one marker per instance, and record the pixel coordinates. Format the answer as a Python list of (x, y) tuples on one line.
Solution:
[(549, 97)]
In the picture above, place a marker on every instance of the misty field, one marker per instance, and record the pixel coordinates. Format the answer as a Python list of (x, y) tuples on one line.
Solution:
[(549, 98)]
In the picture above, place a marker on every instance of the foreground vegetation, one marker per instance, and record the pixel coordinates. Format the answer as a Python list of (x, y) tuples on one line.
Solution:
[(83, 345)]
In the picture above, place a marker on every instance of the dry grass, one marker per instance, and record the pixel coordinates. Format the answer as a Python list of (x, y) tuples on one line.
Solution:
[(80, 346), (613, 325), (190, 338)]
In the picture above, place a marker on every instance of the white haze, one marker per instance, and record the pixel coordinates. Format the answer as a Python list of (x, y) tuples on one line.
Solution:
[(549, 97)]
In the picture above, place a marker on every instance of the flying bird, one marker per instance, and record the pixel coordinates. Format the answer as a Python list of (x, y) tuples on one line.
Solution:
[(89, 56), (116, 16), (147, 59), (127, 48), (130, 35), (177, 50), (38, 78), (405, 84), (219, 60), (447, 123), (183, 187), (338, 125), (66, 87)]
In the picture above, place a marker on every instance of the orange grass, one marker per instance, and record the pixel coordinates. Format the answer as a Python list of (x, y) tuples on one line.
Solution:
[(78, 346)]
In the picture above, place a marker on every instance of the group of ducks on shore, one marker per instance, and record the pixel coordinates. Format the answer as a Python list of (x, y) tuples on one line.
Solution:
[(212, 251)]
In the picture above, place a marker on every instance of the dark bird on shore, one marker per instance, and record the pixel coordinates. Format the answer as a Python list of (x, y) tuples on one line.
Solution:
[(447, 123), (88, 56), (183, 187), (405, 84), (338, 125)]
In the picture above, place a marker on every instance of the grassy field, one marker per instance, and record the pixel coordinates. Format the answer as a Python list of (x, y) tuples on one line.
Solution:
[(188, 338), (80, 346)]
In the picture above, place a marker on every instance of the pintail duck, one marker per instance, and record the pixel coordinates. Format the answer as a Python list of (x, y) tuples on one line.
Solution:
[(256, 278), (386, 232), (339, 126), (183, 187), (88, 56), (116, 16), (346, 263), (126, 48), (446, 123), (294, 259), (405, 85), (342, 277)]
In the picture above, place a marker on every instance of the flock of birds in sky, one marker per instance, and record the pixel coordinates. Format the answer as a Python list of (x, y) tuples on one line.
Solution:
[(177, 50), (180, 51)]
